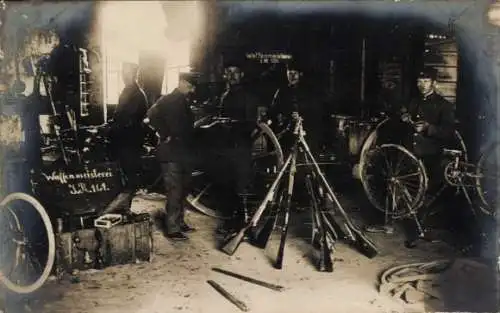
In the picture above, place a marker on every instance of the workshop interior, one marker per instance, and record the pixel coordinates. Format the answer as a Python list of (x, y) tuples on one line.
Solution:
[(362, 130)]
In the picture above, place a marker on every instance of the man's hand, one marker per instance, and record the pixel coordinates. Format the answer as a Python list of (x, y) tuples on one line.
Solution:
[(421, 126), (146, 122), (405, 117)]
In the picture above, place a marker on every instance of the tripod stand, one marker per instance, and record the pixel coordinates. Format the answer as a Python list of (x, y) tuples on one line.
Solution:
[(328, 224)]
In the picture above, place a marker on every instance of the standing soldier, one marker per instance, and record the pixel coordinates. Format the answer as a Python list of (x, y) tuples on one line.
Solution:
[(235, 144), (434, 124), (294, 100), (171, 116), (127, 134)]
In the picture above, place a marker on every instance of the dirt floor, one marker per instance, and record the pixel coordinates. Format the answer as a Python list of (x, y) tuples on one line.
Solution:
[(176, 279)]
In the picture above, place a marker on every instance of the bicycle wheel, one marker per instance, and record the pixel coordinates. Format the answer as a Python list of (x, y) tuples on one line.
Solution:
[(267, 157), (28, 245), (391, 174), (459, 144), (487, 175)]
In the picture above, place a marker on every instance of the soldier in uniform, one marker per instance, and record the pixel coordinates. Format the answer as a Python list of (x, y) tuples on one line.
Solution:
[(127, 135), (234, 144), (171, 116), (434, 124), (292, 101), (434, 118)]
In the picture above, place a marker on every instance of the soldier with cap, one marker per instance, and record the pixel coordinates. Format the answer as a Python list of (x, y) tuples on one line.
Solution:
[(285, 103), (294, 100), (433, 119), (172, 118), (127, 134), (234, 144)]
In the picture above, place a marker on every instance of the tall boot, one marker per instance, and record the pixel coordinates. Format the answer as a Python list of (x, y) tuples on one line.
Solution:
[(235, 217), (225, 225)]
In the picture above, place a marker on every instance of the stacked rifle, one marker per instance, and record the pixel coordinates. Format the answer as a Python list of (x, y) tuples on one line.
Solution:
[(330, 224)]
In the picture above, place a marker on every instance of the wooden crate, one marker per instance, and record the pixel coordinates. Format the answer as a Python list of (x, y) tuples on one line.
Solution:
[(125, 243)]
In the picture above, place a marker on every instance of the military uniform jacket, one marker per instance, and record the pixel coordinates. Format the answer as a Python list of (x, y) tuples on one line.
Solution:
[(298, 99), (171, 116), (240, 105), (127, 128), (440, 114)]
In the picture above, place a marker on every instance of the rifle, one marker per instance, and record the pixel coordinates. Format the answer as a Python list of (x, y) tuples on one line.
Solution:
[(325, 263), (335, 224), (261, 233), (286, 211), (357, 238), (232, 244)]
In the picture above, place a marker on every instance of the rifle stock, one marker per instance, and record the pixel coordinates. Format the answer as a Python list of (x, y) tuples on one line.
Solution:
[(325, 263), (325, 260), (355, 237), (364, 244), (288, 203), (260, 235), (232, 244), (284, 231), (262, 232)]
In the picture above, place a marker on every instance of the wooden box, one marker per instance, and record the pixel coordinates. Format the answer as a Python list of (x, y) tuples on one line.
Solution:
[(125, 243)]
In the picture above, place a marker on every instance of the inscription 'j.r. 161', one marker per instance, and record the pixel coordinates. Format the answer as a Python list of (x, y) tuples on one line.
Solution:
[(86, 188)]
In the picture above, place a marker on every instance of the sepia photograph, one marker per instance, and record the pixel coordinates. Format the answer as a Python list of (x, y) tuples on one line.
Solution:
[(265, 156)]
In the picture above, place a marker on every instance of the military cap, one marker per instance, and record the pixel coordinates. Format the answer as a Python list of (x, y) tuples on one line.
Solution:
[(293, 64), (428, 72), (192, 78), (234, 59)]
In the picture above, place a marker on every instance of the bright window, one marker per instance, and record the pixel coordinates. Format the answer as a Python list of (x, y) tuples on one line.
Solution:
[(124, 25)]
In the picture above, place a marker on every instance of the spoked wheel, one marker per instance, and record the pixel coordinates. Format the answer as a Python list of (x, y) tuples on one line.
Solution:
[(487, 175), (28, 245), (267, 158), (459, 144), (392, 175), (384, 133)]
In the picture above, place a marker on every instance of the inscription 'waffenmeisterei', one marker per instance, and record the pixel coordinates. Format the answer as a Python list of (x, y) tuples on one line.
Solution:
[(82, 182), (64, 178)]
